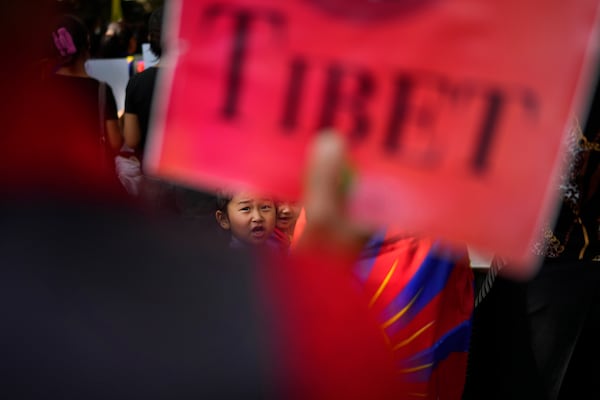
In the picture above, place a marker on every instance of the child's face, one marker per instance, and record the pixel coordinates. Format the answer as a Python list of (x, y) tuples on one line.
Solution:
[(250, 218), (287, 214)]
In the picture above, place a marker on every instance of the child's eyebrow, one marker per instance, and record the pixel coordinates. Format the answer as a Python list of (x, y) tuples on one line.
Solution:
[(244, 201)]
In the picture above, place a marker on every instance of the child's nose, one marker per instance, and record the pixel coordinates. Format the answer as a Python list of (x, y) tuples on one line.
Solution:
[(257, 215), (284, 209)]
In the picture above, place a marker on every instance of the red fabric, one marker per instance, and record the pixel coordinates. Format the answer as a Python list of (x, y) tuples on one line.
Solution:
[(332, 348), (449, 377), (281, 238), (395, 268)]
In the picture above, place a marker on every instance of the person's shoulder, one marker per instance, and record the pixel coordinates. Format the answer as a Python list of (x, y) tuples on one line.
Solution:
[(148, 74), (72, 78), (145, 78), (87, 81), (75, 85)]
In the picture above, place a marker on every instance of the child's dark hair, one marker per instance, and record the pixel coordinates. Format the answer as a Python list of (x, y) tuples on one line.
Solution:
[(70, 39), (222, 200), (155, 30)]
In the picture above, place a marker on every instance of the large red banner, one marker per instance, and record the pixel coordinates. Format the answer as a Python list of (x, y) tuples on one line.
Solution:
[(454, 111)]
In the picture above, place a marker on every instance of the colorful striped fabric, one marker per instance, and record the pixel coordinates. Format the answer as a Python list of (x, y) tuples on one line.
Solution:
[(421, 292)]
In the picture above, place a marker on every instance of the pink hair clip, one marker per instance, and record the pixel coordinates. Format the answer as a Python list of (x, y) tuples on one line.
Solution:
[(64, 42)]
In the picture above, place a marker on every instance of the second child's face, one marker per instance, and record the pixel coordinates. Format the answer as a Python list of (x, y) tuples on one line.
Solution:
[(287, 215), (251, 219)]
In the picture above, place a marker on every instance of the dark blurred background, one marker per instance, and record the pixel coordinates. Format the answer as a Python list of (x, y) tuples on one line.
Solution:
[(132, 15)]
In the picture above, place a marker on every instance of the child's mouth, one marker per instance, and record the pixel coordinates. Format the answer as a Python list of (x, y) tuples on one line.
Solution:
[(258, 232)]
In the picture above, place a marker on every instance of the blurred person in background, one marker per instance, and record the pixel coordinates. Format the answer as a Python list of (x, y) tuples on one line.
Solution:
[(140, 91), (118, 41), (539, 339), (88, 99), (287, 215), (155, 193)]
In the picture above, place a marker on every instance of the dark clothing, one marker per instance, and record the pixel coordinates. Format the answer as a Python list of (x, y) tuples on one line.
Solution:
[(84, 91), (138, 100), (85, 317), (74, 108), (538, 340), (575, 237)]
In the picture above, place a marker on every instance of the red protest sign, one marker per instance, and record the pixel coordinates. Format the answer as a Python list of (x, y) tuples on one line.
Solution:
[(454, 110)]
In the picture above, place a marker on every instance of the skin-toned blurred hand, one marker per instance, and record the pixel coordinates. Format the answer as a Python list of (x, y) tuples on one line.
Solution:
[(329, 230)]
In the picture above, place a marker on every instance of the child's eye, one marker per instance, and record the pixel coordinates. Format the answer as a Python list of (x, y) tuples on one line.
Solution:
[(245, 209), (266, 207)]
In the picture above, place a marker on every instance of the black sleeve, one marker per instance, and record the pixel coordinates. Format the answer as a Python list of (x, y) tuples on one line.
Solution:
[(129, 96), (110, 107)]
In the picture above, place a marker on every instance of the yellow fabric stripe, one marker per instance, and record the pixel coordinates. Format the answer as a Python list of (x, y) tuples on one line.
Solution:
[(413, 337), (586, 240), (415, 369), (401, 312), (383, 284)]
